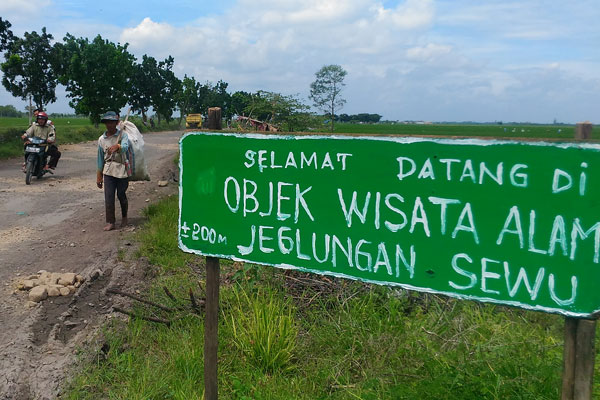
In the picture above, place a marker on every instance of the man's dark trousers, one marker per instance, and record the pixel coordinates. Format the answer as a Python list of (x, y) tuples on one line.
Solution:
[(120, 185)]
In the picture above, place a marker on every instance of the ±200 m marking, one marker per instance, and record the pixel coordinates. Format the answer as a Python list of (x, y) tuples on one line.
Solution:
[(204, 233)]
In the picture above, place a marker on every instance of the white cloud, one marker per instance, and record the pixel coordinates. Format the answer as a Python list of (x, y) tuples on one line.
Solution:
[(19, 9), (427, 53), (280, 49), (150, 33), (412, 14)]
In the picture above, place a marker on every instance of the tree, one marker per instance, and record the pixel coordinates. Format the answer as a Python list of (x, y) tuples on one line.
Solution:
[(239, 102), (210, 95), (326, 90), (6, 35), (374, 118), (29, 67), (287, 112), (166, 89), (261, 106), (9, 111), (143, 82), (97, 75), (187, 96), (292, 113)]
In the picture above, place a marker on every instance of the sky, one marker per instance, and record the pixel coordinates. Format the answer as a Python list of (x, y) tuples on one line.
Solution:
[(433, 60)]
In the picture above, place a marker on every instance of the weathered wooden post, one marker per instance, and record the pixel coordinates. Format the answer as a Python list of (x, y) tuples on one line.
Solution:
[(579, 357), (583, 130), (211, 321), (214, 118), (579, 349), (211, 329)]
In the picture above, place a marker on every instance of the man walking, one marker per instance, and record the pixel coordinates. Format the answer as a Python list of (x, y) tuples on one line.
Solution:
[(113, 146)]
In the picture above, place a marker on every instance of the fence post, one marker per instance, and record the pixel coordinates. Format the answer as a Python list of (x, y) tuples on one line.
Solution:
[(579, 351), (211, 321), (583, 130), (568, 377), (211, 329), (585, 354)]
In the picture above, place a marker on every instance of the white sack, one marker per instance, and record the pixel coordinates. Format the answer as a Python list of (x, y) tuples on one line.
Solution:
[(139, 170)]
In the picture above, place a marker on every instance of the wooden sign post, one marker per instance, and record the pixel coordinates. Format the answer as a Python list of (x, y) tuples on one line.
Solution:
[(579, 351), (211, 329), (578, 359), (211, 321), (512, 222)]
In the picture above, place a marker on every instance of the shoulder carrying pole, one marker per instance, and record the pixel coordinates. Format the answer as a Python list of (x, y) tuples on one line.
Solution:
[(121, 130)]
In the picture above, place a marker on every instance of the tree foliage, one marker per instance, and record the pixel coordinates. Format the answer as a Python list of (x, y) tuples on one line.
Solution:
[(144, 81), (28, 69), (216, 95), (326, 90), (240, 100), (6, 35), (187, 97), (362, 117), (165, 90), (97, 75), (10, 111), (285, 111), (100, 75)]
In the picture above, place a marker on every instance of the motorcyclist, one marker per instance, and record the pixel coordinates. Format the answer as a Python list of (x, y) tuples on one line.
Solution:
[(45, 131), (35, 114)]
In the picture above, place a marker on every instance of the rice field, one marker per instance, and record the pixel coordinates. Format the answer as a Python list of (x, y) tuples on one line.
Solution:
[(554, 132)]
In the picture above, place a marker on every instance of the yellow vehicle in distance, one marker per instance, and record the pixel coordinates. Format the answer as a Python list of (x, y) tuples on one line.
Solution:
[(193, 121)]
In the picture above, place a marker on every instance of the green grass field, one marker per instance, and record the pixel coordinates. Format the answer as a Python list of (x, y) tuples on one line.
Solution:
[(23, 123), (554, 132)]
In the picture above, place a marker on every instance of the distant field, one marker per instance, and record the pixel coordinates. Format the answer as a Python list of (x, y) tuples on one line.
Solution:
[(23, 123), (565, 132)]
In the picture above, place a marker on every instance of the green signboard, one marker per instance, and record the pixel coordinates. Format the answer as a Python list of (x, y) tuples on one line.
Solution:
[(506, 222)]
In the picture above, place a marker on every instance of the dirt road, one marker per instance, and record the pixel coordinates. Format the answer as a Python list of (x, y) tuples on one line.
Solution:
[(55, 224)]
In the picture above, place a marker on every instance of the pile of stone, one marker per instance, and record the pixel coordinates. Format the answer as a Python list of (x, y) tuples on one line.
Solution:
[(46, 284)]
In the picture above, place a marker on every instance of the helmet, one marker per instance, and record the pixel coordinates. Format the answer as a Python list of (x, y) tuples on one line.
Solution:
[(42, 115)]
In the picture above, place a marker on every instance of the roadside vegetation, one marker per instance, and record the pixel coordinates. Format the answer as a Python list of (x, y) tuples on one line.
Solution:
[(68, 130), (80, 129), (288, 335)]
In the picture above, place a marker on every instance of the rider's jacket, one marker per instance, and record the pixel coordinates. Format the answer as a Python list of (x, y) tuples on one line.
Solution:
[(45, 132)]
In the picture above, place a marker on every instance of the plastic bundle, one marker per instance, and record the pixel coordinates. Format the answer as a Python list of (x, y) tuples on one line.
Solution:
[(136, 160)]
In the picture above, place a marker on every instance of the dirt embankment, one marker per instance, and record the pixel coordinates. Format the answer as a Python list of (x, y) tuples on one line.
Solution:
[(55, 224)]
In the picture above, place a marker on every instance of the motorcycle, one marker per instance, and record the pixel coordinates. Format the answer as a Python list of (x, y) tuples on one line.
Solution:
[(35, 150)]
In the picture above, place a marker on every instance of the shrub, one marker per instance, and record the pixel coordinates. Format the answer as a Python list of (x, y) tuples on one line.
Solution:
[(263, 329)]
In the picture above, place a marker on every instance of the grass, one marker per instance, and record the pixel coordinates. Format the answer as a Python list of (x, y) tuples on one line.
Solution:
[(267, 334), (321, 339), (563, 132)]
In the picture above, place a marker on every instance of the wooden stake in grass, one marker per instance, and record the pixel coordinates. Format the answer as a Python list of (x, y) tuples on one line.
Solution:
[(211, 321), (211, 326), (579, 352)]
